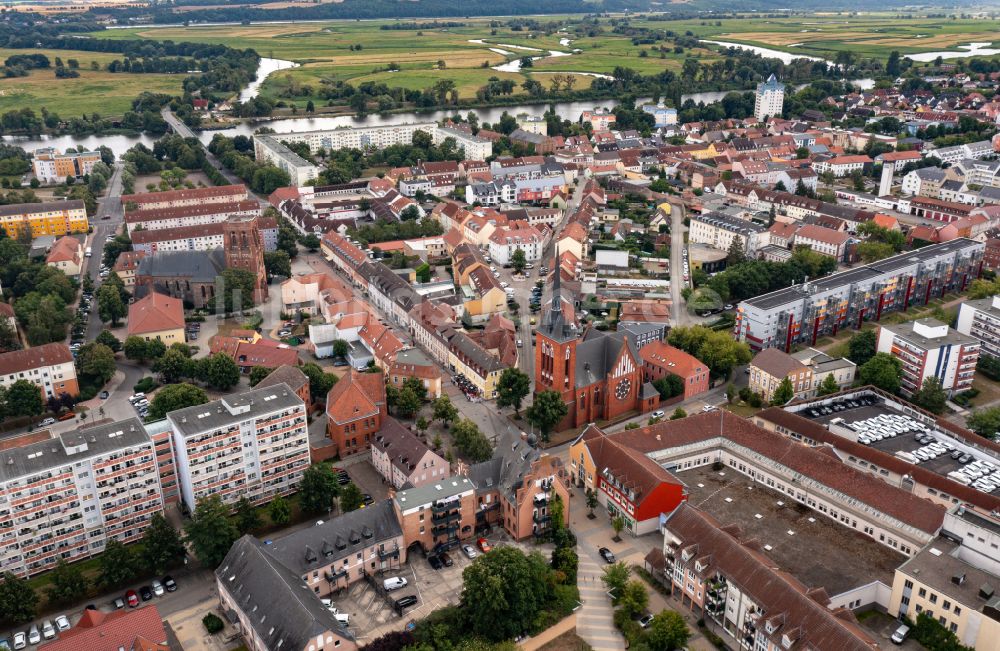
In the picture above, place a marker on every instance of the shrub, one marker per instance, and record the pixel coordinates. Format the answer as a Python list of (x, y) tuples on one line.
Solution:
[(145, 385), (212, 623)]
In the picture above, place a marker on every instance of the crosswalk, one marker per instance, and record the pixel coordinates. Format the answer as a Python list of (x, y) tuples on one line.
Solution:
[(594, 621)]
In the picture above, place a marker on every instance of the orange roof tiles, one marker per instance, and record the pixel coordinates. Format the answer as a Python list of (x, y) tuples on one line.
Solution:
[(155, 313)]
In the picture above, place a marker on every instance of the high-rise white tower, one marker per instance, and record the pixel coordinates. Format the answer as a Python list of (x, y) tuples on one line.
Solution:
[(885, 185), (770, 98)]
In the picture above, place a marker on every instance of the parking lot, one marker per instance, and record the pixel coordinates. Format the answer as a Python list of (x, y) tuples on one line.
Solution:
[(373, 615)]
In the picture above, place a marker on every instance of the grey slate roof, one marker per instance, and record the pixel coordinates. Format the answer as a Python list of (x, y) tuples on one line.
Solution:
[(70, 447), (505, 471), (283, 610), (421, 495), (311, 548), (597, 353), (198, 266), (401, 445), (284, 374)]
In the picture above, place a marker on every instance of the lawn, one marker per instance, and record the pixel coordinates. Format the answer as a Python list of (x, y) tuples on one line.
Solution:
[(101, 92)]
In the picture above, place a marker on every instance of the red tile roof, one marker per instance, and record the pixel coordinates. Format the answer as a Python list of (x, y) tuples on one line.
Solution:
[(66, 249), (210, 208), (213, 192), (675, 360), (98, 631), (356, 395), (155, 313), (36, 357)]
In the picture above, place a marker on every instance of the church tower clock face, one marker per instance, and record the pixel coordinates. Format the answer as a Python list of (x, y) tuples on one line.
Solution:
[(622, 389)]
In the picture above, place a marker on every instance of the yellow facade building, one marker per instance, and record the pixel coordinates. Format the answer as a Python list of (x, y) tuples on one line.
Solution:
[(53, 218)]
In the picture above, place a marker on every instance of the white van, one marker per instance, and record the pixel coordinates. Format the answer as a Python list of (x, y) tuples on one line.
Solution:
[(394, 583), (900, 634)]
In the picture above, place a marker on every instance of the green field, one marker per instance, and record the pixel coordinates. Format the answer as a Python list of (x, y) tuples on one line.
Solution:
[(101, 92), (866, 35)]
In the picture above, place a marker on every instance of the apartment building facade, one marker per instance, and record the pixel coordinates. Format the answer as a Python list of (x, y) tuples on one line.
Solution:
[(803, 313), (719, 230), (50, 366), (403, 459), (438, 515), (49, 166), (184, 198), (355, 407), (52, 218), (269, 149), (928, 348), (475, 148), (176, 220), (253, 444), (981, 319), (769, 100), (378, 137), (769, 369), (63, 497)]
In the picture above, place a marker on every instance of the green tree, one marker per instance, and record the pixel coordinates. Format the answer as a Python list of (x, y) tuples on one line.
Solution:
[(116, 563), (882, 371), (175, 396), (277, 263), (518, 260), (109, 340), (615, 578), (470, 441), (547, 410), (678, 414), (444, 410), (565, 560), (667, 631), (502, 591), (320, 382), (417, 387), (318, 489), (407, 402), (634, 598), (24, 399), (985, 422), (737, 253), (162, 546), (247, 518), (618, 523), (311, 242), (236, 288), (512, 388), (67, 583), (870, 251), (592, 502), (893, 66), (210, 532), (828, 385), (861, 346), (135, 349), (96, 362), (931, 396), (340, 348), (278, 511), (221, 372), (258, 373), (173, 366), (18, 600), (110, 305), (351, 499), (783, 393)]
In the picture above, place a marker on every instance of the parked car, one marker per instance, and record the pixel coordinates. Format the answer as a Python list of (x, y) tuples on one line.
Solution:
[(169, 583), (47, 422), (901, 634), (34, 636), (132, 599), (405, 602), (146, 593), (658, 414), (62, 623), (435, 561), (48, 630), (118, 603), (104, 395), (484, 545), (157, 588), (645, 620), (446, 559), (394, 583), (469, 551), (606, 554), (20, 640)]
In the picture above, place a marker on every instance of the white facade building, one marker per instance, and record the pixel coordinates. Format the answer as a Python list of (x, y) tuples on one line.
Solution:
[(268, 149), (253, 444), (505, 241), (378, 137), (981, 319), (770, 99), (475, 148), (928, 348)]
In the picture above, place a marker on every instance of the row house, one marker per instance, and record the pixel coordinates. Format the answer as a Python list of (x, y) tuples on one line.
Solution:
[(63, 497), (823, 240), (198, 236), (803, 313), (346, 256), (403, 459), (253, 445), (389, 292)]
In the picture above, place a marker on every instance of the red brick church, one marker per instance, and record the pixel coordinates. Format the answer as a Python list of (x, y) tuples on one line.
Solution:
[(599, 375)]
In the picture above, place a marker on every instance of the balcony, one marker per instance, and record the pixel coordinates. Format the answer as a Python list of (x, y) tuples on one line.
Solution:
[(444, 530), (441, 518), (439, 507), (541, 500), (540, 518)]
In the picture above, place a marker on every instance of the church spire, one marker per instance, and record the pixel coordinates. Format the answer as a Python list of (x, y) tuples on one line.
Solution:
[(556, 296)]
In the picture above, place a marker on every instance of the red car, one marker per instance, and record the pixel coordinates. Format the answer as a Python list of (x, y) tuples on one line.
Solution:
[(132, 599), (484, 545)]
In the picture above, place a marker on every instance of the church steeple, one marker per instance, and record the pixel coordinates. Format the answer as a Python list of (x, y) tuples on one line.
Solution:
[(554, 321)]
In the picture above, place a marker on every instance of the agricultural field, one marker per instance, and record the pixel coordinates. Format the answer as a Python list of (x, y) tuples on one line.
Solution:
[(356, 53), (866, 35), (94, 91)]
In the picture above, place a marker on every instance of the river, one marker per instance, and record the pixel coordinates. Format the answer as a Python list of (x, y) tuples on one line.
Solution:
[(121, 143), (971, 50)]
